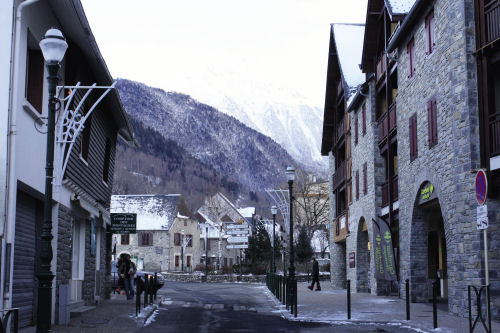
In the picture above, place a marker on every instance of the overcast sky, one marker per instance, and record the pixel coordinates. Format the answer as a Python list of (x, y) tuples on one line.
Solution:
[(182, 44)]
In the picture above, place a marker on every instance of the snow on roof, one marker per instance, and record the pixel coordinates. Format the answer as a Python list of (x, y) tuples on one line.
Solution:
[(247, 211), (399, 6), (349, 40), (229, 203), (154, 211)]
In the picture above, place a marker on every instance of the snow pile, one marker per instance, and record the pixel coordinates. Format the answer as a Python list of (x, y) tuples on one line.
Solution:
[(399, 6)]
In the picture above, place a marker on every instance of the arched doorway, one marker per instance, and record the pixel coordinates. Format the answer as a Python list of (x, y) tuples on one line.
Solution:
[(363, 257), (429, 258)]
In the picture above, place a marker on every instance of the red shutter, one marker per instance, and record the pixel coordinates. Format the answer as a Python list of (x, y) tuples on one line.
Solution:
[(432, 31), (357, 184), (427, 36), (364, 118), (355, 129), (411, 57), (413, 137), (139, 239), (365, 178), (434, 121), (429, 122)]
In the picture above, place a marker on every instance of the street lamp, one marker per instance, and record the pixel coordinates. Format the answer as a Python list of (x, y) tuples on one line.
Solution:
[(53, 47), (274, 211), (290, 176)]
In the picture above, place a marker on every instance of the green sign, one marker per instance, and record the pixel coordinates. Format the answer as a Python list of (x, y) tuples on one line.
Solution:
[(426, 191), (384, 253), (123, 223)]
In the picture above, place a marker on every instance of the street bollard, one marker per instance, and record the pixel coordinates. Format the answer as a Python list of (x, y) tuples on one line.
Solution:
[(434, 304), (348, 299), (137, 296), (407, 299), (295, 297), (145, 291), (470, 310), (156, 281)]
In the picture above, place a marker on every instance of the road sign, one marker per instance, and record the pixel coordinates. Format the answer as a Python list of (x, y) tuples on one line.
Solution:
[(237, 226), (123, 223), (237, 246), (237, 239), (481, 187), (482, 217), (237, 232)]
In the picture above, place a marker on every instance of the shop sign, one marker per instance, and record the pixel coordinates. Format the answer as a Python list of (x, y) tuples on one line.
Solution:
[(427, 193), (385, 268), (352, 259), (123, 223)]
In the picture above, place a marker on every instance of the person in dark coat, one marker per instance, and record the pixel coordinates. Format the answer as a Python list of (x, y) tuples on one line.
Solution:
[(127, 271), (315, 276)]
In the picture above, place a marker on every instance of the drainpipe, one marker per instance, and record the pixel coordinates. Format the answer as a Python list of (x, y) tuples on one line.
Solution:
[(11, 190)]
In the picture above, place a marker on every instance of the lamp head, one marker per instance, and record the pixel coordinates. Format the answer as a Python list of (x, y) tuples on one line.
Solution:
[(274, 210), (290, 173), (53, 45)]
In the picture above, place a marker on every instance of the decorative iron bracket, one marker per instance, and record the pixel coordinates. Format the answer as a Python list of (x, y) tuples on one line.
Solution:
[(282, 201), (70, 123)]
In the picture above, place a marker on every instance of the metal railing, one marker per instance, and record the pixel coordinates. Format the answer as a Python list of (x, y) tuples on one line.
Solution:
[(486, 323), (12, 316), (147, 285), (285, 290)]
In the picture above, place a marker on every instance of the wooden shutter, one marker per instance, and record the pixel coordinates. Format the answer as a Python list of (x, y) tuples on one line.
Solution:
[(355, 129), (177, 239), (432, 41), (365, 178), (432, 122), (363, 113), (150, 238), (357, 184), (413, 137), (410, 50), (139, 239), (208, 243), (190, 242)]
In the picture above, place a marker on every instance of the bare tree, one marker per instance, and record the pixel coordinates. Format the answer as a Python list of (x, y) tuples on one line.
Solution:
[(311, 205)]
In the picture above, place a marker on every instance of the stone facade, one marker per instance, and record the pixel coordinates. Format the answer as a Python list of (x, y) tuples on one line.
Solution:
[(190, 227), (155, 257), (449, 75)]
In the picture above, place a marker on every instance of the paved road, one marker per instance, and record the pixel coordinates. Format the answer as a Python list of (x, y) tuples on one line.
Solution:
[(225, 307)]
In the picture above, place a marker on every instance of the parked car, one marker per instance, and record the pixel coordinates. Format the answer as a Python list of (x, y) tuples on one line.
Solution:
[(160, 280)]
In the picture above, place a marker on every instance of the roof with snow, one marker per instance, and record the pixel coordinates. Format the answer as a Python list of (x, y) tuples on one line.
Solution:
[(399, 6), (154, 211), (247, 211), (348, 39)]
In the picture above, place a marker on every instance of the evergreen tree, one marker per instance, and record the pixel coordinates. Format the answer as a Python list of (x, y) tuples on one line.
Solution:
[(304, 250), (259, 248)]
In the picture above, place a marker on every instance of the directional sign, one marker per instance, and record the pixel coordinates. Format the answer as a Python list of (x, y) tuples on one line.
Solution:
[(482, 217), (237, 226), (233, 239), (237, 232), (237, 246), (123, 223), (481, 187)]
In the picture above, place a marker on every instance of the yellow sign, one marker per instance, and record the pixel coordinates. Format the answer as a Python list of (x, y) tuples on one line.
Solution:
[(426, 192)]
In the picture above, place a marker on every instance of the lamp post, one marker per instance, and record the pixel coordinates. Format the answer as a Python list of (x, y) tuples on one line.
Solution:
[(206, 251), (182, 251), (274, 211), (290, 176), (53, 47)]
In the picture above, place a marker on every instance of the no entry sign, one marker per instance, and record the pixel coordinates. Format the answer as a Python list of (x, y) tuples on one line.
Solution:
[(481, 187)]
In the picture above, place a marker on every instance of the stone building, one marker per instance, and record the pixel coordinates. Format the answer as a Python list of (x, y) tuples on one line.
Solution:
[(158, 218), (185, 240), (429, 94)]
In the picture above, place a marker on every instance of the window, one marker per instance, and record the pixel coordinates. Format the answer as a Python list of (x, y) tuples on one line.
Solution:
[(188, 261), (107, 158), (365, 178), (432, 122), (208, 243), (177, 239), (363, 113), (125, 239), (190, 240), (85, 140), (145, 239), (34, 74), (185, 223), (355, 129), (357, 184), (410, 50), (176, 261), (429, 33), (413, 137)]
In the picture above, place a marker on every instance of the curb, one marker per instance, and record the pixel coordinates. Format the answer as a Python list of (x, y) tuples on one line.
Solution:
[(148, 312)]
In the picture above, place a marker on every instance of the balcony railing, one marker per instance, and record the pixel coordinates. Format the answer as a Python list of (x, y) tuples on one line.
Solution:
[(339, 175), (385, 191), (341, 227), (492, 19), (494, 135), (387, 123), (340, 128)]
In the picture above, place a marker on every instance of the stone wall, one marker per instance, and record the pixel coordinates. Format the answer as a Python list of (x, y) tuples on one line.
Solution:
[(449, 75), (64, 252), (231, 278), (156, 257)]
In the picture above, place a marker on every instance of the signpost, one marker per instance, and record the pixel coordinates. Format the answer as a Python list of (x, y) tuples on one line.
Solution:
[(239, 233), (237, 246), (482, 220), (123, 223), (237, 239)]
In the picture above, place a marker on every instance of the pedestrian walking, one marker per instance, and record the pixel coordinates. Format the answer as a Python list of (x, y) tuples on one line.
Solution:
[(127, 272), (315, 276)]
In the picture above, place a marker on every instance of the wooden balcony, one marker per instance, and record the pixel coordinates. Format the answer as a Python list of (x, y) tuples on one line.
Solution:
[(341, 227), (340, 129), (385, 191), (339, 175), (381, 67), (494, 131), (491, 19), (387, 123)]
